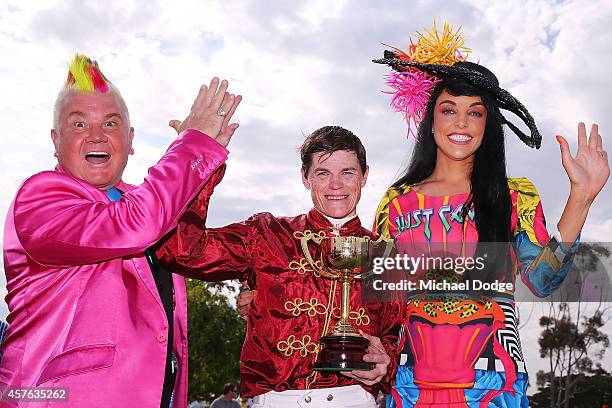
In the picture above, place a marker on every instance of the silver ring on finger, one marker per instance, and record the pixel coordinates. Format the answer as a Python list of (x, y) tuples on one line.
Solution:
[(221, 112)]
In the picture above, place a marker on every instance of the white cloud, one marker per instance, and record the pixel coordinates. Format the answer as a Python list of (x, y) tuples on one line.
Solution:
[(599, 229), (299, 66)]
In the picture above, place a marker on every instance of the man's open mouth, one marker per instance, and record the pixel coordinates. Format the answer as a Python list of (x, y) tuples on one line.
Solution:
[(97, 157)]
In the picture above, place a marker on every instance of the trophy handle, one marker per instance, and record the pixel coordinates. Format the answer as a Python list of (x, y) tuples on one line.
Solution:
[(388, 248), (317, 238), (388, 244)]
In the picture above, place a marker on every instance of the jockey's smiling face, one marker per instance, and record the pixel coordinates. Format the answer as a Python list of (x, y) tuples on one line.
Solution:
[(335, 181)]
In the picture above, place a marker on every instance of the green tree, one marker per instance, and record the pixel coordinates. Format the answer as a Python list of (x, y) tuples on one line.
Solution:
[(573, 340), (216, 334), (591, 391)]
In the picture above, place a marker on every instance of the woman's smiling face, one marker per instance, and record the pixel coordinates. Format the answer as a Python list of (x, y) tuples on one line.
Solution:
[(459, 124)]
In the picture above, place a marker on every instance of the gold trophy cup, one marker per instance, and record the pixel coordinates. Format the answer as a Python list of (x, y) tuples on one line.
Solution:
[(342, 258)]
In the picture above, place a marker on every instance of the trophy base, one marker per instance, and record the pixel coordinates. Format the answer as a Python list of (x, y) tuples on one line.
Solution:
[(342, 352)]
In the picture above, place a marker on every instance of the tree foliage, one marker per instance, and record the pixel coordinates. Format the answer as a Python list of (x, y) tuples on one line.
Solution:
[(591, 391), (573, 341), (216, 333)]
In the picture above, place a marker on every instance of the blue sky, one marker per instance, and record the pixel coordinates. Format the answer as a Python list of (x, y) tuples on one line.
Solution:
[(300, 66)]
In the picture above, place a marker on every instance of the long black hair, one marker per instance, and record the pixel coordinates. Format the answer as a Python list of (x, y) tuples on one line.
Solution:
[(489, 195)]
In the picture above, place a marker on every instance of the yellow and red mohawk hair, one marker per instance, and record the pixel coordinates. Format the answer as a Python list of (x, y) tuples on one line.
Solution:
[(84, 75)]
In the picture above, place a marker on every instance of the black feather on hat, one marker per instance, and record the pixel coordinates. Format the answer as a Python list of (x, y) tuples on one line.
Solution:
[(479, 77)]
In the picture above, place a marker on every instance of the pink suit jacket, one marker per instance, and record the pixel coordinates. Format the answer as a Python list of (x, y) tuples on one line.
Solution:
[(85, 313)]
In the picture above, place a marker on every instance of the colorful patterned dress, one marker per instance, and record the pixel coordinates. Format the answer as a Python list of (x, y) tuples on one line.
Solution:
[(460, 351)]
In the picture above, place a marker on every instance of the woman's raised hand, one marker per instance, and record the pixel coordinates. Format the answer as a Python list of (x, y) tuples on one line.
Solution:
[(589, 170)]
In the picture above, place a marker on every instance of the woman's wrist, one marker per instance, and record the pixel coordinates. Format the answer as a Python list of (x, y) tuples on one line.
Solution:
[(580, 199)]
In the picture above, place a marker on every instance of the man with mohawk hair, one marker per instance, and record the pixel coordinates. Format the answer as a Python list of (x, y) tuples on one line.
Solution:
[(91, 312)]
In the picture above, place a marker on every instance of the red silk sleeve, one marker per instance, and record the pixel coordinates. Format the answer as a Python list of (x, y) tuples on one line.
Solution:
[(210, 254)]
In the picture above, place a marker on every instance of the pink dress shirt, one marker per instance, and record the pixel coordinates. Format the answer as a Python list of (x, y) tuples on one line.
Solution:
[(84, 311)]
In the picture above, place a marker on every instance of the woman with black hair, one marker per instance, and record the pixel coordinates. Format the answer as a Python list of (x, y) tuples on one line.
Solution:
[(463, 350)]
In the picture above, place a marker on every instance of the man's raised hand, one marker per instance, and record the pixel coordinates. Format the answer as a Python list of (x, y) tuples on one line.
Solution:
[(211, 112)]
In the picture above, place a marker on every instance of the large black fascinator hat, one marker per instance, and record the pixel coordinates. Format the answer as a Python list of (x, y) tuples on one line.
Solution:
[(437, 56)]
